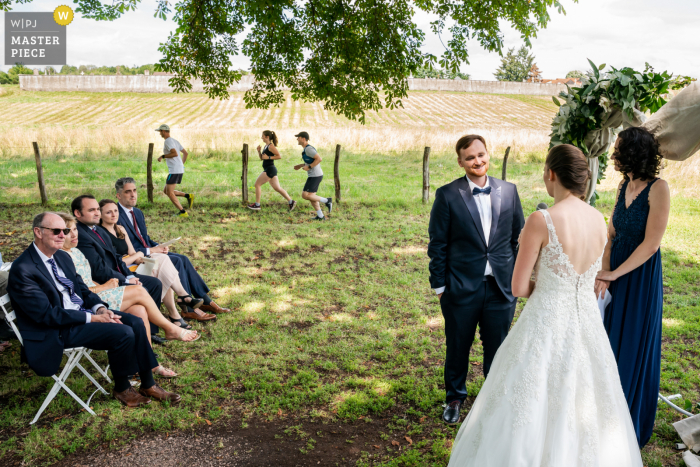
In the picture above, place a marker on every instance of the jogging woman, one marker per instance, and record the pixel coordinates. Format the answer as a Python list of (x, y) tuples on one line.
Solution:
[(269, 154)]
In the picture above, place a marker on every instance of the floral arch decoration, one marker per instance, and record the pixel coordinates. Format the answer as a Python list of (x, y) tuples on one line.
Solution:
[(591, 115)]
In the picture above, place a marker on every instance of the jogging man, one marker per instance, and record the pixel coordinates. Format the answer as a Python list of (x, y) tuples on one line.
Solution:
[(312, 165), (172, 150)]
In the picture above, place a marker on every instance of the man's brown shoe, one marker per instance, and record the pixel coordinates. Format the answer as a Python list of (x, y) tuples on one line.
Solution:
[(158, 393), (131, 398), (214, 308), (198, 315)]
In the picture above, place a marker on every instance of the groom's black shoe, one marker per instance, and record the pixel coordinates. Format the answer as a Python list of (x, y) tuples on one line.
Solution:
[(451, 413)]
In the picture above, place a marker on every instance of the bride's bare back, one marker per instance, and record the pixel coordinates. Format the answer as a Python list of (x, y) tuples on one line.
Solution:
[(581, 231)]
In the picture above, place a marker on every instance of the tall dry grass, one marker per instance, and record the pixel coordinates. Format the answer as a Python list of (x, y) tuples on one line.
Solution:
[(99, 142)]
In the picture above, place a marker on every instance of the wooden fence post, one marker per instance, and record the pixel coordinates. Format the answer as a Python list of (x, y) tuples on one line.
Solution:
[(505, 163), (426, 175), (40, 175), (244, 174), (149, 173), (336, 173)]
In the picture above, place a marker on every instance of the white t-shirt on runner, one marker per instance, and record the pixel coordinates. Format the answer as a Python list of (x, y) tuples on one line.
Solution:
[(175, 165)]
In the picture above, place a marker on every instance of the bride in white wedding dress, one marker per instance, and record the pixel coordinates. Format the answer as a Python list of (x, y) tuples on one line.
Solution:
[(553, 396)]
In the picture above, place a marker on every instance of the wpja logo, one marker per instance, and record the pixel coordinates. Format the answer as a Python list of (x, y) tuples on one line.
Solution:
[(37, 38)]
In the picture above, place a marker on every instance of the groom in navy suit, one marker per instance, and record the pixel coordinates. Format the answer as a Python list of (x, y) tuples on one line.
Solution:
[(474, 228), (134, 222)]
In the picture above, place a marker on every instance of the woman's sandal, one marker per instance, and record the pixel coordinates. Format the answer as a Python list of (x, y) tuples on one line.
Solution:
[(180, 322), (164, 372), (194, 303), (185, 331)]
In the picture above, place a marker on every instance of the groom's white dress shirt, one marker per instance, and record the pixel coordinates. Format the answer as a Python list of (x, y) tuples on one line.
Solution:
[(483, 204)]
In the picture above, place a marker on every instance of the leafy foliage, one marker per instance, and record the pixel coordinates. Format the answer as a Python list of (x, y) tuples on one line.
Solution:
[(351, 55), (12, 75), (585, 108), (515, 66), (575, 74), (425, 72), (105, 70)]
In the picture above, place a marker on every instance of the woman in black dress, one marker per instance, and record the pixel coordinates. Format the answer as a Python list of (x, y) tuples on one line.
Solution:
[(268, 155)]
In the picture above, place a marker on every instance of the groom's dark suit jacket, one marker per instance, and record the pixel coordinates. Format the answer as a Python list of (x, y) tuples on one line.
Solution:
[(38, 304), (458, 250)]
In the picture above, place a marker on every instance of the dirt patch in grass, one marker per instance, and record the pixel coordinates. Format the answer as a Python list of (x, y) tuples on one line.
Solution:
[(283, 441), (283, 253)]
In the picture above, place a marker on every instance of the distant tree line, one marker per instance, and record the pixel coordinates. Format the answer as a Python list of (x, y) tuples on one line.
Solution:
[(437, 73), (12, 75), (105, 70)]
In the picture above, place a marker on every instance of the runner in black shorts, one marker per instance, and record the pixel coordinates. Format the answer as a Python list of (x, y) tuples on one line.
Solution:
[(268, 155), (312, 166)]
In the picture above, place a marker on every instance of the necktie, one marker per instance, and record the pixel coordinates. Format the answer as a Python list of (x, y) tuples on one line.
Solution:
[(136, 228), (478, 191), (100, 236), (68, 284)]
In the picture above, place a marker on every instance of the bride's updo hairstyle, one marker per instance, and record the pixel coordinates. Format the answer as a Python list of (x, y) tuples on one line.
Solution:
[(571, 167)]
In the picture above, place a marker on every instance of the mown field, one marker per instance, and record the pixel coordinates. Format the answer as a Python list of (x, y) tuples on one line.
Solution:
[(333, 353)]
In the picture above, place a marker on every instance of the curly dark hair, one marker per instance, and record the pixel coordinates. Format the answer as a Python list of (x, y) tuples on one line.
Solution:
[(638, 154)]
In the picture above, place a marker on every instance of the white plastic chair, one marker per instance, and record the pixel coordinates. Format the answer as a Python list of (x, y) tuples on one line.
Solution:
[(74, 355)]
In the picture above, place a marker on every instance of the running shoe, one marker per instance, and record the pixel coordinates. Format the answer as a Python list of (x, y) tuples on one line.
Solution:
[(181, 214), (329, 204), (319, 218), (254, 207), (190, 200), (292, 205)]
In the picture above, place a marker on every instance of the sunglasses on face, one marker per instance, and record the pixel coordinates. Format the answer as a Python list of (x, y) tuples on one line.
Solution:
[(57, 231)]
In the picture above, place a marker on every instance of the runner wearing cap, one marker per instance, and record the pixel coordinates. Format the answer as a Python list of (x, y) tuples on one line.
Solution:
[(176, 168), (312, 165), (269, 155)]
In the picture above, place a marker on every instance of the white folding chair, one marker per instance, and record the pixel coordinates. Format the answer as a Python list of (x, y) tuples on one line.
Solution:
[(74, 355)]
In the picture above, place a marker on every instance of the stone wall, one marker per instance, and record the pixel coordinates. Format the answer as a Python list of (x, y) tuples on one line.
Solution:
[(486, 87), (159, 83)]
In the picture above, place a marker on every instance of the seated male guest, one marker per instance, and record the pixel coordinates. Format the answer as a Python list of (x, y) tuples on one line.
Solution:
[(94, 242), (56, 310), (134, 222)]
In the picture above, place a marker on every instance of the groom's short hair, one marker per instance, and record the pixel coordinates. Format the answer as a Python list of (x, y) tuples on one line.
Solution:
[(465, 141)]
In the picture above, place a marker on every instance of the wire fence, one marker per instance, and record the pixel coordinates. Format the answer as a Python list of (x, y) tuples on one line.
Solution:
[(61, 175)]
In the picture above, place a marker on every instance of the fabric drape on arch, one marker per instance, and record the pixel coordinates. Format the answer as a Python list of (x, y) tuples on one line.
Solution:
[(675, 126)]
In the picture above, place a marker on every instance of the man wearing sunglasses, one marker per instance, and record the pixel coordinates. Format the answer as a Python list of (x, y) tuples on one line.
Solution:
[(56, 310)]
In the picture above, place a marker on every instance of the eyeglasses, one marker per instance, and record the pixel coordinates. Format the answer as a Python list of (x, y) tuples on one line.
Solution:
[(56, 231)]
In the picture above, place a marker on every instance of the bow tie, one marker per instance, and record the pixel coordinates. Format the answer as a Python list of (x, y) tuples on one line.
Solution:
[(478, 191)]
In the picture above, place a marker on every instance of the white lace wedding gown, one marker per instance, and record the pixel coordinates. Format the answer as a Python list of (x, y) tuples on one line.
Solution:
[(553, 396)]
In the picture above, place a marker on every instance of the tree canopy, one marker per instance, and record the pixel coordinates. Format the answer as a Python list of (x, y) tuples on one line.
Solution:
[(352, 55), (575, 74), (515, 66)]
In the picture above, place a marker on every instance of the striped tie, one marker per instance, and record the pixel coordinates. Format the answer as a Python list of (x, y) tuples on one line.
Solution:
[(68, 284)]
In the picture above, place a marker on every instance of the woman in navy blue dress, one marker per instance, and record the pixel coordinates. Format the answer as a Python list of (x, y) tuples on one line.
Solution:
[(632, 271)]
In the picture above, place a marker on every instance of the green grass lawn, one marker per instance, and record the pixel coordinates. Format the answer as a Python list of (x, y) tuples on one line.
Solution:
[(333, 322)]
